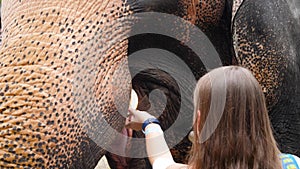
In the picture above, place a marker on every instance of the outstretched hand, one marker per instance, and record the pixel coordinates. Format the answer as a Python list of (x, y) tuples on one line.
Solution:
[(136, 118)]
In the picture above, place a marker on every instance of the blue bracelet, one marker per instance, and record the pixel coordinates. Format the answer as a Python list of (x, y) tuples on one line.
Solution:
[(149, 121)]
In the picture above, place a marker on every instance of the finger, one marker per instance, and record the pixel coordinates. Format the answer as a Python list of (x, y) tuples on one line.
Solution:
[(127, 121), (129, 118), (128, 114), (131, 110), (130, 132)]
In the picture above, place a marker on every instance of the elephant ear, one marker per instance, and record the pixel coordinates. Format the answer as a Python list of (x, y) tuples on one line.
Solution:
[(266, 41)]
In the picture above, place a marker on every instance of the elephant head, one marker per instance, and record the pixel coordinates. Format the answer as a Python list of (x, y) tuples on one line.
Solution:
[(252, 34), (64, 66), (59, 80), (207, 16)]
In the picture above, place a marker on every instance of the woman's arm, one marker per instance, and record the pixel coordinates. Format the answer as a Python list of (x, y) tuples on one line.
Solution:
[(158, 151), (156, 144)]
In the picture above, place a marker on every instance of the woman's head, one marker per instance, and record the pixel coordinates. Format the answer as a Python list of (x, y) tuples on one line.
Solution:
[(231, 99)]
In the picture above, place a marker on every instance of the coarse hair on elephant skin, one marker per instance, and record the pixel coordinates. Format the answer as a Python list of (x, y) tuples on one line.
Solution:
[(55, 89), (59, 76)]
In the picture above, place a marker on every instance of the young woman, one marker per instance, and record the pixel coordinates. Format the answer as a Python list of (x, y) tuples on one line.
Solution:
[(243, 138)]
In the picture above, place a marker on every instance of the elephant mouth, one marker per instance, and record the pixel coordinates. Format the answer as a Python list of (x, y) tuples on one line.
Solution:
[(121, 145), (143, 84), (156, 79)]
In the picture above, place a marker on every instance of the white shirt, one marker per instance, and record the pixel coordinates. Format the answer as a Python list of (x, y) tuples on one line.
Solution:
[(162, 163)]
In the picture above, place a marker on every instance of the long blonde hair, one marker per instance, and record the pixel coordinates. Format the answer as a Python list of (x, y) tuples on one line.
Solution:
[(243, 138)]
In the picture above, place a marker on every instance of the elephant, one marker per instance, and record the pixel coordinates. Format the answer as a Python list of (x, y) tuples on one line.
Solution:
[(60, 78), (45, 88), (263, 36)]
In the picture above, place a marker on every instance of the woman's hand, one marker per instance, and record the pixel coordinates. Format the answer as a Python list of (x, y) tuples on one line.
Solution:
[(136, 118)]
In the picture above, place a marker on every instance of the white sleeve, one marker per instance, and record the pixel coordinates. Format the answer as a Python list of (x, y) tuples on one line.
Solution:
[(162, 163), (297, 160)]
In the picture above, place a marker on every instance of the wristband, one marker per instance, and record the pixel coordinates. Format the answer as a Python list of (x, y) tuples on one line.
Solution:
[(149, 121)]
